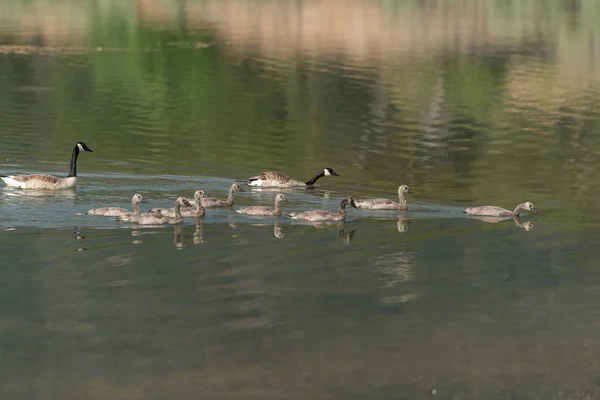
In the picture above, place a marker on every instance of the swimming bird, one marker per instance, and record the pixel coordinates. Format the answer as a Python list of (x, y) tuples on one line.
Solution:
[(263, 210), (209, 202), (198, 212), (48, 182), (276, 179), (494, 211), (117, 211), (386, 204), (322, 215), (157, 218)]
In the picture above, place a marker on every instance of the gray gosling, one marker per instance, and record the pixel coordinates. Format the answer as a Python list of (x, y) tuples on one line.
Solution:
[(386, 204), (279, 180), (322, 215), (155, 219), (118, 211), (263, 210), (209, 202), (494, 211), (196, 212), (48, 182)]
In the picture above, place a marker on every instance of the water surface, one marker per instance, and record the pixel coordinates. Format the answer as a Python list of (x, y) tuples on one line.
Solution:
[(470, 103)]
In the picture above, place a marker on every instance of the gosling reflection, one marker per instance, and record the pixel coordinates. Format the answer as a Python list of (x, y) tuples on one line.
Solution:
[(198, 232), (279, 230), (402, 223), (346, 236), (527, 225), (177, 237)]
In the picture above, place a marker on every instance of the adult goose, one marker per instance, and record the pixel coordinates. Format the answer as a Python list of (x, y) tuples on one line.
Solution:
[(196, 212), (157, 218), (279, 180), (48, 182), (209, 202), (322, 215), (494, 211), (262, 210), (386, 204), (117, 211)]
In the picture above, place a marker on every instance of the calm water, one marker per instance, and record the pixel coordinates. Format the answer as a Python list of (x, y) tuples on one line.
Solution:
[(469, 103)]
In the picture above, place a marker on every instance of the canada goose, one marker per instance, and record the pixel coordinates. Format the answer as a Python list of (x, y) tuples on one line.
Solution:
[(186, 212), (216, 202), (48, 182), (154, 219), (276, 179), (117, 211), (385, 204), (494, 211), (262, 210), (322, 215)]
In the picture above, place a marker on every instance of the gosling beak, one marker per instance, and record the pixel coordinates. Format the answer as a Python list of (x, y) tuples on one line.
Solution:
[(144, 201), (533, 210), (410, 191)]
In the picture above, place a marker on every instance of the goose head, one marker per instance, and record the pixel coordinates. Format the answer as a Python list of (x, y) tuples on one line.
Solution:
[(348, 201), (329, 171), (529, 206), (404, 189), (138, 198), (82, 147)]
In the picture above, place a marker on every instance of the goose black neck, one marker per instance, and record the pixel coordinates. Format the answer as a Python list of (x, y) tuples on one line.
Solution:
[(314, 178), (73, 168)]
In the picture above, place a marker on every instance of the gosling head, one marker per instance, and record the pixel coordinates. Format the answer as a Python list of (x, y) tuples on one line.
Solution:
[(182, 201), (529, 206), (82, 147), (236, 187), (280, 197), (138, 198), (404, 189), (329, 171), (198, 194)]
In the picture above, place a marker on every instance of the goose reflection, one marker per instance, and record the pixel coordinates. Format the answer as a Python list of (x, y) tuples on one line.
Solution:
[(527, 225), (37, 193)]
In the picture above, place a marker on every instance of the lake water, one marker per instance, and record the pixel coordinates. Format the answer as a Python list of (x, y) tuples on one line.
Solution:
[(470, 103)]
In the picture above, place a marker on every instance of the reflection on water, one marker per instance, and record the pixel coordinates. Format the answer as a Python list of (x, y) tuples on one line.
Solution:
[(527, 225), (465, 102)]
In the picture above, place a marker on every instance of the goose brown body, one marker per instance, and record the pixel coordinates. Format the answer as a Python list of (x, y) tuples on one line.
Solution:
[(279, 180)]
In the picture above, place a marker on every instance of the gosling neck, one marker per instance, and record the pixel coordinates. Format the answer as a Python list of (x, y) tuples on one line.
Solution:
[(277, 208), (178, 216), (200, 210), (230, 197), (136, 207), (401, 199), (342, 209), (518, 209)]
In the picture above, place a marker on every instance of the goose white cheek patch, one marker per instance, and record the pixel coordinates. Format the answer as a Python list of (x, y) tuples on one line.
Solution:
[(326, 172), (80, 147)]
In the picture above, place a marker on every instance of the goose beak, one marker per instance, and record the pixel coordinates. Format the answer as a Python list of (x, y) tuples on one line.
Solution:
[(334, 173)]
